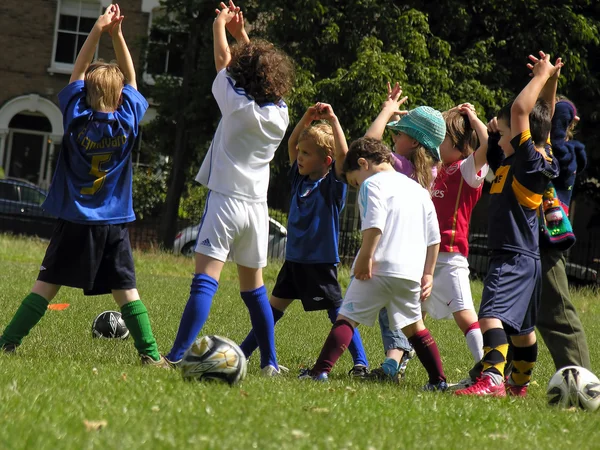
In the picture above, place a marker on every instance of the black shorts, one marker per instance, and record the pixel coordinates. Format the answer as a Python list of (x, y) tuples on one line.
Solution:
[(316, 285), (512, 291), (95, 258)]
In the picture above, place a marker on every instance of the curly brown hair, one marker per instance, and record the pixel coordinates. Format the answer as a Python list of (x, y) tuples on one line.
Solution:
[(462, 135), (371, 149), (262, 70)]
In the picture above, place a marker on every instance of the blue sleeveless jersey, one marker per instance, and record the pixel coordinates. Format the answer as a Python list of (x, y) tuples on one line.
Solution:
[(93, 176), (314, 218)]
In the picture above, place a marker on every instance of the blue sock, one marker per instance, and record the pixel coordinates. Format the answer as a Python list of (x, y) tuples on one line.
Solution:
[(390, 366), (196, 311), (250, 343), (355, 348), (263, 324)]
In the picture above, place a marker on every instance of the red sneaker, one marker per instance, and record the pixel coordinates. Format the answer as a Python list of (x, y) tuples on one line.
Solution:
[(514, 390), (484, 386)]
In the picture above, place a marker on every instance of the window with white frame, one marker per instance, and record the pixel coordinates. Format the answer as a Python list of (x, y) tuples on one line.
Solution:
[(75, 20)]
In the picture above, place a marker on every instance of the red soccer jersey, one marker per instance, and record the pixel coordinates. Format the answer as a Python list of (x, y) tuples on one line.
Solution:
[(456, 190)]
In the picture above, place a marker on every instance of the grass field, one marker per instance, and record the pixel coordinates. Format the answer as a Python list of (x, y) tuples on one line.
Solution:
[(61, 380)]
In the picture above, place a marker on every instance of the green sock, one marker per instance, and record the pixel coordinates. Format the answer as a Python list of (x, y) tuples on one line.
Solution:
[(136, 318), (32, 309)]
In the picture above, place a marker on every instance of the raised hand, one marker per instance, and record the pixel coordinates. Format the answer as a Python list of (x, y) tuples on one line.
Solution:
[(492, 125), (542, 65), (227, 13), (394, 101), (105, 21), (324, 111), (115, 26)]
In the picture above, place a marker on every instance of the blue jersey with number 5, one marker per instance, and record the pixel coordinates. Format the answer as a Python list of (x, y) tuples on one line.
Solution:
[(93, 175)]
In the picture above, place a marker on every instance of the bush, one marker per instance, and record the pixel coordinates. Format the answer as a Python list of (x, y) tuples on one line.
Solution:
[(149, 191), (191, 205)]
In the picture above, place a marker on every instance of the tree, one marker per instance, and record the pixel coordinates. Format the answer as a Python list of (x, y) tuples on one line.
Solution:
[(187, 114)]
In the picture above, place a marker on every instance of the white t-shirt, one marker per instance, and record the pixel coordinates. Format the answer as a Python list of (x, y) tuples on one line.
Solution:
[(237, 162), (405, 214)]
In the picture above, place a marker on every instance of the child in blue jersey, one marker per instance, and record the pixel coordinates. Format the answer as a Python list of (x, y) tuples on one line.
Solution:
[(309, 272), (252, 79), (523, 165), (91, 193)]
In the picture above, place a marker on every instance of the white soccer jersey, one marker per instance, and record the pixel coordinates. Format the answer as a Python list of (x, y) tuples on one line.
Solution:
[(237, 162), (405, 214)]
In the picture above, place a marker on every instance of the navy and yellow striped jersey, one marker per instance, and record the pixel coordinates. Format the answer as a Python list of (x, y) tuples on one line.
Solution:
[(516, 195)]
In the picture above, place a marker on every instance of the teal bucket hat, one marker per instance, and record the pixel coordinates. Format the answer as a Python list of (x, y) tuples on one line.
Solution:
[(424, 124)]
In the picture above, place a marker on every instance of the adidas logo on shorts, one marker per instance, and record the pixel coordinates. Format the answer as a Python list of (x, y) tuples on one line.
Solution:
[(205, 242)]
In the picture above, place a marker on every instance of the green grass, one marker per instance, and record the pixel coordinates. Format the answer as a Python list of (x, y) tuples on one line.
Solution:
[(61, 377)]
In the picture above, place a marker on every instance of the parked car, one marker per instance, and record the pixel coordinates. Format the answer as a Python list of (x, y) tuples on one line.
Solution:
[(185, 241), (479, 256), (21, 209)]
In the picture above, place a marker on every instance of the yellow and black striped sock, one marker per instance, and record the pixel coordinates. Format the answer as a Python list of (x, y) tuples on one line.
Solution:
[(495, 346), (523, 363)]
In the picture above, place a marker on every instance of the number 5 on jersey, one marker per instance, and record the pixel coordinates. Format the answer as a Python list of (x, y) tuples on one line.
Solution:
[(96, 171)]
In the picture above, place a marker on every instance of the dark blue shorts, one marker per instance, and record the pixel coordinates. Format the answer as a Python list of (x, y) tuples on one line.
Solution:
[(95, 258), (511, 291), (316, 285)]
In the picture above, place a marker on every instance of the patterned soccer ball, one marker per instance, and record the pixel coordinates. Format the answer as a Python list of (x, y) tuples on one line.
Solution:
[(214, 358), (574, 386), (109, 325)]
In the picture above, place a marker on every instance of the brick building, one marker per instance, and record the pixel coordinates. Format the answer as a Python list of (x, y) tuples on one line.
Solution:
[(40, 40)]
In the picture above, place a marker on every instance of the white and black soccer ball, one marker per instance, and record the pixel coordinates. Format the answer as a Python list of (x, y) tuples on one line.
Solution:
[(574, 386), (214, 358), (109, 325)]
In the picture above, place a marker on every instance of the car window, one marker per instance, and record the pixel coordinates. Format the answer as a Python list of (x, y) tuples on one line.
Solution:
[(31, 195), (8, 192)]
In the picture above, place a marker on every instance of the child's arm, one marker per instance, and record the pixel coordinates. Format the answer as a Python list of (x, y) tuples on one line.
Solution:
[(86, 54), (364, 261), (341, 145), (525, 101), (427, 279), (480, 128), (307, 119), (388, 110), (124, 59), (494, 155), (221, 46)]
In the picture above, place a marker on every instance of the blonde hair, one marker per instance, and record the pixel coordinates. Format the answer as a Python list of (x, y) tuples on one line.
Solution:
[(322, 135), (462, 135), (104, 83), (423, 164)]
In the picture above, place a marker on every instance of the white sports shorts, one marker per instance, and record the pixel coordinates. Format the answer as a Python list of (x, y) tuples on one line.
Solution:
[(235, 228), (451, 288), (365, 298)]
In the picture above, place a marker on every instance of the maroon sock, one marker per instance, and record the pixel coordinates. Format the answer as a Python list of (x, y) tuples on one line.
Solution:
[(337, 342), (428, 354)]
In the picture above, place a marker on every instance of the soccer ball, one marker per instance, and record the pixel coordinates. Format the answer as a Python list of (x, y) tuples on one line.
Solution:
[(109, 325), (574, 386), (214, 358)]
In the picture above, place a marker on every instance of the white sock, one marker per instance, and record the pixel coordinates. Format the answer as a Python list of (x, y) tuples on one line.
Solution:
[(475, 343)]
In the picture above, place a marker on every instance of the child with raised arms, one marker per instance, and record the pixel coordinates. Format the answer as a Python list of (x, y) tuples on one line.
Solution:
[(91, 193), (523, 166), (252, 79), (317, 152)]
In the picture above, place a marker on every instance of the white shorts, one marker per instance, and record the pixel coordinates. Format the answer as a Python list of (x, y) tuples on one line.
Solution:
[(451, 287), (365, 298), (236, 228)]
